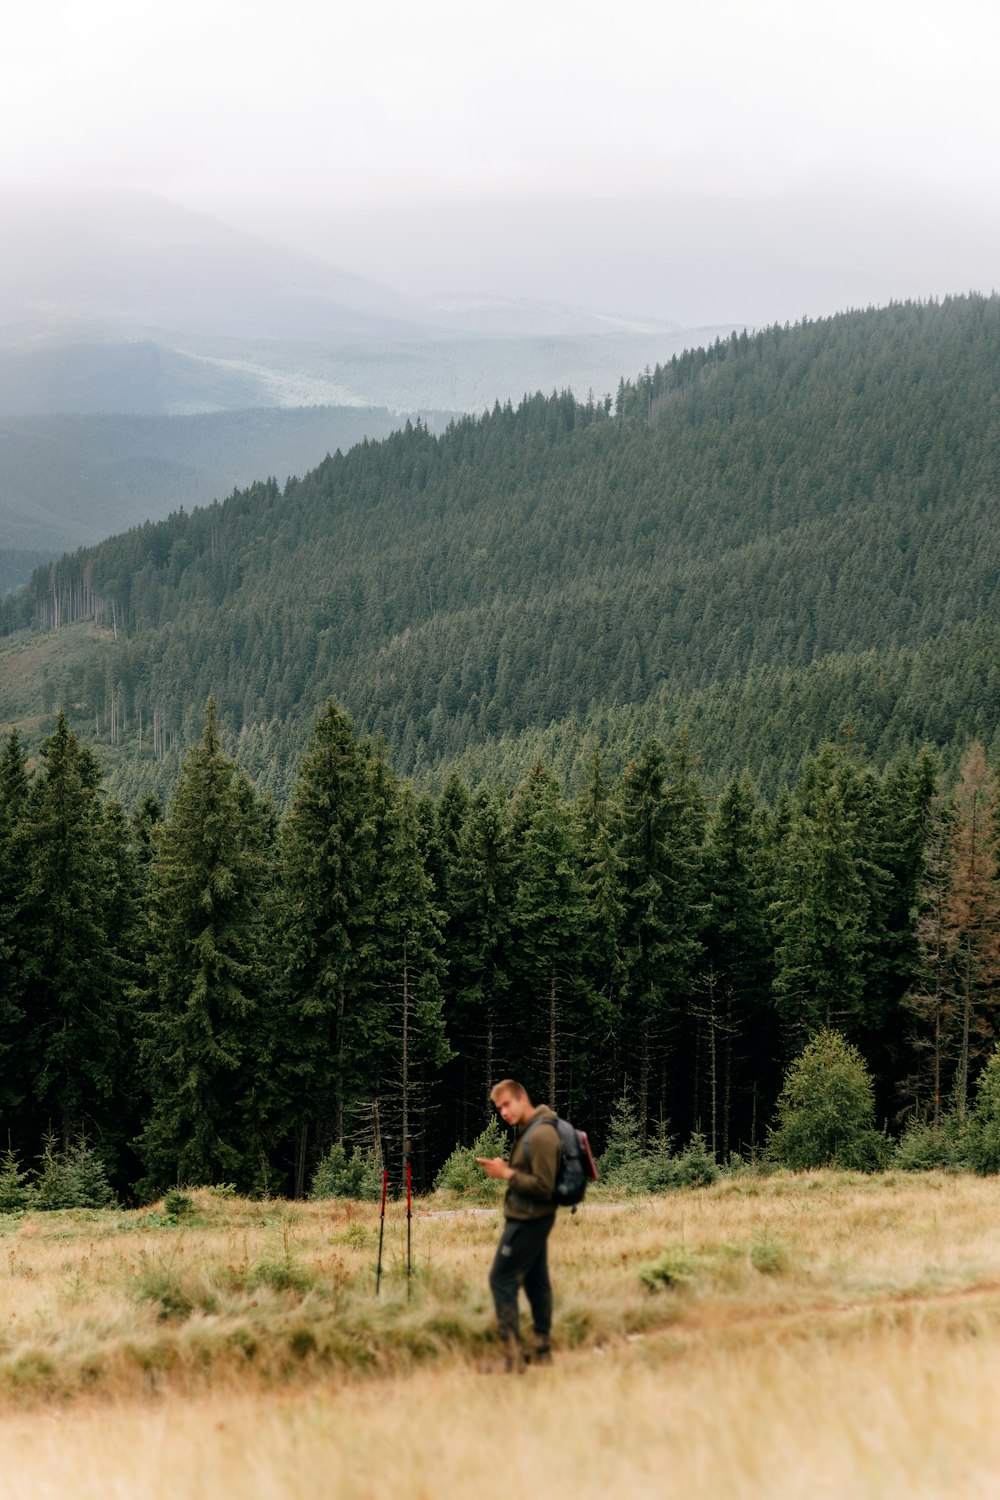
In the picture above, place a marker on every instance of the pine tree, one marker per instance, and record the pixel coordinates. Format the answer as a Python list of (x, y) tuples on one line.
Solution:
[(410, 970), (479, 962), (822, 908), (736, 1007), (661, 822), (206, 1021), (973, 914), (604, 970), (933, 997), (909, 805), (328, 858), (549, 927), (13, 956), (72, 1041)]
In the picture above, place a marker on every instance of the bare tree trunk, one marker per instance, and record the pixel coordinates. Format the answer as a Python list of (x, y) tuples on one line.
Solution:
[(300, 1160), (406, 1059), (339, 1107), (552, 1036), (644, 1069), (727, 1072), (962, 1087), (713, 1077), (937, 1051), (490, 1080)]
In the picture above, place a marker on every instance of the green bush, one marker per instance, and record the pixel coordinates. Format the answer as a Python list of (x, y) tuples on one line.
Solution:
[(340, 1176), (826, 1110), (177, 1205), (660, 1172), (74, 1178), (461, 1172), (624, 1162), (696, 1166), (16, 1192), (981, 1136), (926, 1148)]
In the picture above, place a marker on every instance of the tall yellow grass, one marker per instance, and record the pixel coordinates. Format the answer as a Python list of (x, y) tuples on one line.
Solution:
[(787, 1337)]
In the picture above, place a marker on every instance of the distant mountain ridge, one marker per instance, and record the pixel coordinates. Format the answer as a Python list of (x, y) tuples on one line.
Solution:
[(125, 260), (125, 303), (762, 506), (68, 481)]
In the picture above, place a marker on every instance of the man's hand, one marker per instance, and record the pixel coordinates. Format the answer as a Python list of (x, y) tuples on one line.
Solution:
[(495, 1166)]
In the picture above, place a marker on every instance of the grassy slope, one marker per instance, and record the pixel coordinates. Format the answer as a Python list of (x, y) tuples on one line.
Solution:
[(29, 661), (813, 1325)]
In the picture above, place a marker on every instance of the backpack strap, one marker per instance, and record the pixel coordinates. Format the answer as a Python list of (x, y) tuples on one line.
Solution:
[(542, 1120)]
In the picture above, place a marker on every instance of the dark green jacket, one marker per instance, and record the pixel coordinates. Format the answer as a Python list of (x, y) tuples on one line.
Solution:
[(529, 1191)]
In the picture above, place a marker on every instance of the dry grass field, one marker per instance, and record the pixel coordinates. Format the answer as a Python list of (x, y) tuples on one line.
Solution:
[(817, 1335)]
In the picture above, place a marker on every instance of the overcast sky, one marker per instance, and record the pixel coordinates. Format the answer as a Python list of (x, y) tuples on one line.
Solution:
[(707, 160)]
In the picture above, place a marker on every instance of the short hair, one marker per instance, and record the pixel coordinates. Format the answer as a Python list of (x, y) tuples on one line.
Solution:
[(507, 1086)]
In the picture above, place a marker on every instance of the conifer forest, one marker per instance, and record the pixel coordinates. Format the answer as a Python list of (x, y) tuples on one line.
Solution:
[(621, 746)]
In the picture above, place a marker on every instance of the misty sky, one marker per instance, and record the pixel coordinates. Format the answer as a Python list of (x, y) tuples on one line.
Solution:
[(707, 160)]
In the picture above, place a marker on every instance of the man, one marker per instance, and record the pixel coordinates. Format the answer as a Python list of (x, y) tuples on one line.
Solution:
[(529, 1213)]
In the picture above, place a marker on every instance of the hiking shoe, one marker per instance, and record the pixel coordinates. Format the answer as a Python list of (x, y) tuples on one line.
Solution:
[(513, 1355)]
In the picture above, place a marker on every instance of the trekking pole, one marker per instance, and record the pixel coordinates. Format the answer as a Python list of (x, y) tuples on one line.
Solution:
[(381, 1229), (409, 1215)]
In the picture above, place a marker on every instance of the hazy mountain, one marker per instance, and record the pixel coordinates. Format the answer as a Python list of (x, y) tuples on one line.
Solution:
[(519, 317), (126, 260)]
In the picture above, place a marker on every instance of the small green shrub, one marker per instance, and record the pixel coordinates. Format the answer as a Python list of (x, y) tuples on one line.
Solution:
[(301, 1341), (826, 1110), (769, 1256), (178, 1205), (162, 1286), (926, 1148), (339, 1176), (75, 1178), (673, 1271), (624, 1164), (981, 1136), (281, 1276), (16, 1193), (461, 1172), (696, 1166), (358, 1236)]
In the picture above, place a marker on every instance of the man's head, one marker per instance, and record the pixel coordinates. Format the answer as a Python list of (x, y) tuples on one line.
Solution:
[(511, 1099)]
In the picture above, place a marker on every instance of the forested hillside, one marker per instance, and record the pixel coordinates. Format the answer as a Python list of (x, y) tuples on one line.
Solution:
[(216, 995), (802, 514)]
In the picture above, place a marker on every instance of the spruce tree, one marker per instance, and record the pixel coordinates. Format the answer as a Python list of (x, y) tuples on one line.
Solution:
[(932, 1000), (410, 970), (479, 963), (661, 821), (735, 1007), (328, 861), (603, 876), (821, 909), (550, 940), (973, 914), (73, 1045), (205, 1016), (13, 955)]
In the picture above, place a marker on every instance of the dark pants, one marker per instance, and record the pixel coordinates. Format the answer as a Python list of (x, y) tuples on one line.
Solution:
[(522, 1260)]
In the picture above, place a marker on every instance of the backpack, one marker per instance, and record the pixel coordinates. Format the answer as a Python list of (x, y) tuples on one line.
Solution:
[(576, 1165)]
